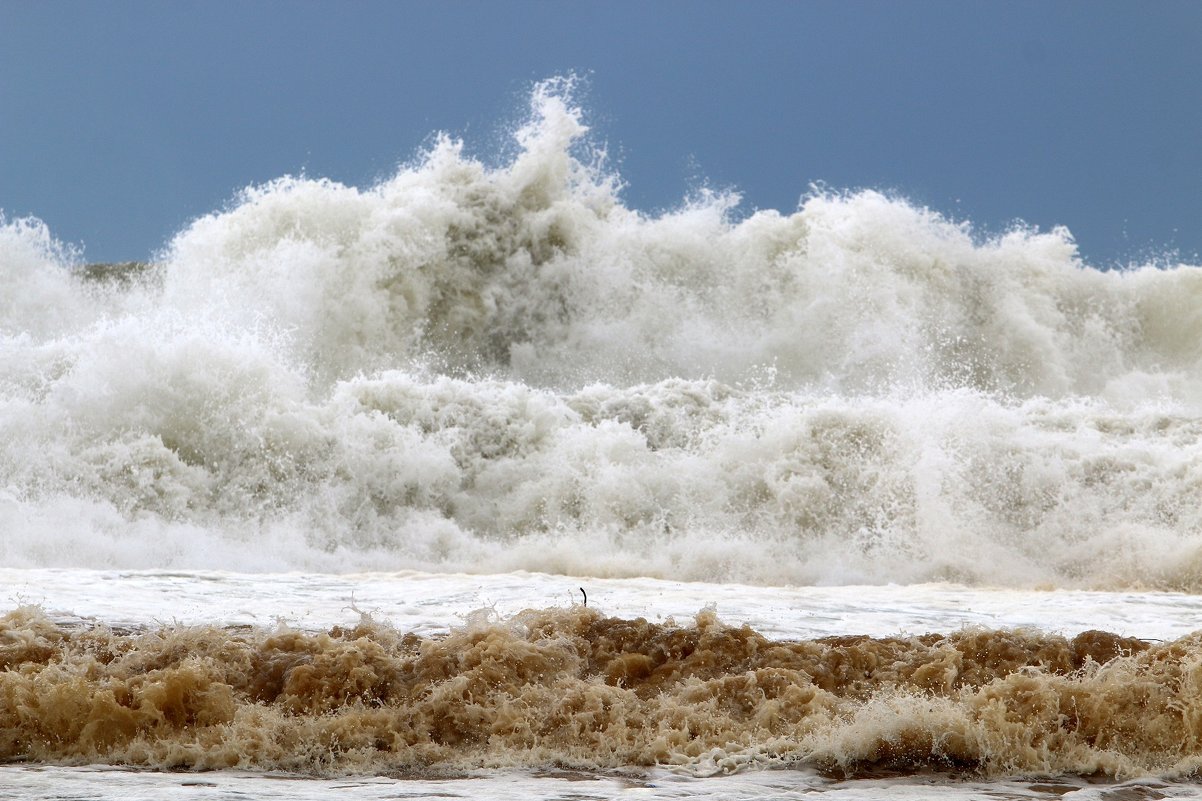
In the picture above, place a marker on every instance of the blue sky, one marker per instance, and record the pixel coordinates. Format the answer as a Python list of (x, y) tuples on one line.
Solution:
[(121, 121)]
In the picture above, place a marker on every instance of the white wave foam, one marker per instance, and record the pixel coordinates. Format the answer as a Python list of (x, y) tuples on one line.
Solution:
[(495, 368)]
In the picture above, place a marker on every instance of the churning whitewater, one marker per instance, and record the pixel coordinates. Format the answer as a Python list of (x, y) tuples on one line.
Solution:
[(487, 368), (473, 370), (571, 687)]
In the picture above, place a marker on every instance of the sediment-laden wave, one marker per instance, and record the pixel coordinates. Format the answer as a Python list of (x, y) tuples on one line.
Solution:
[(470, 365), (571, 687)]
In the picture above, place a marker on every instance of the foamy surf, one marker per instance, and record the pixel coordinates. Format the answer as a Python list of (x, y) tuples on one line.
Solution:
[(499, 368), (156, 465), (230, 625), (574, 688), (468, 365)]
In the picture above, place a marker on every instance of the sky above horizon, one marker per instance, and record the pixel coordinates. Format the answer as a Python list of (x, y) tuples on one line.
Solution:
[(121, 122)]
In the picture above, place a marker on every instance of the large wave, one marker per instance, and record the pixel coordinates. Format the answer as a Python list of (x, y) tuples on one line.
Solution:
[(497, 367)]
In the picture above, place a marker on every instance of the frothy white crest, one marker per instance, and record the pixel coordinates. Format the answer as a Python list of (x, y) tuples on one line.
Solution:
[(473, 367), (38, 298), (535, 271)]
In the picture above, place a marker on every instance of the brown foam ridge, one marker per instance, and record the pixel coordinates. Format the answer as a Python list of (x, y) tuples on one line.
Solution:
[(571, 687)]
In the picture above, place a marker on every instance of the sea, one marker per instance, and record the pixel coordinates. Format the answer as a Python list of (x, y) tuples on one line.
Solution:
[(478, 483)]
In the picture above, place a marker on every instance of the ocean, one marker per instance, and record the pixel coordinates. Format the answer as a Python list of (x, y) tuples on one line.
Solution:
[(476, 483)]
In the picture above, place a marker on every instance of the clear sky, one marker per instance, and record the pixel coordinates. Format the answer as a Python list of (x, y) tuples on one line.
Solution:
[(121, 121)]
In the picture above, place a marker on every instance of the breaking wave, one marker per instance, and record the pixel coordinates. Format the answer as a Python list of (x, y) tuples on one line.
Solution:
[(482, 367)]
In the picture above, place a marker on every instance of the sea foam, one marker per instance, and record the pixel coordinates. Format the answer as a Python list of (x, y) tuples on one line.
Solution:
[(480, 367)]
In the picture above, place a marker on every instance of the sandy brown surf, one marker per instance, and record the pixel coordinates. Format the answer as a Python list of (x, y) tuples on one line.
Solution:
[(573, 688)]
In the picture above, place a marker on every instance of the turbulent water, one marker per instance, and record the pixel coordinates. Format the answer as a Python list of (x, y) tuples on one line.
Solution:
[(489, 368), (572, 687)]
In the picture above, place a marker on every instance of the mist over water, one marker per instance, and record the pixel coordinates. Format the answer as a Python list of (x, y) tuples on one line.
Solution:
[(481, 368)]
